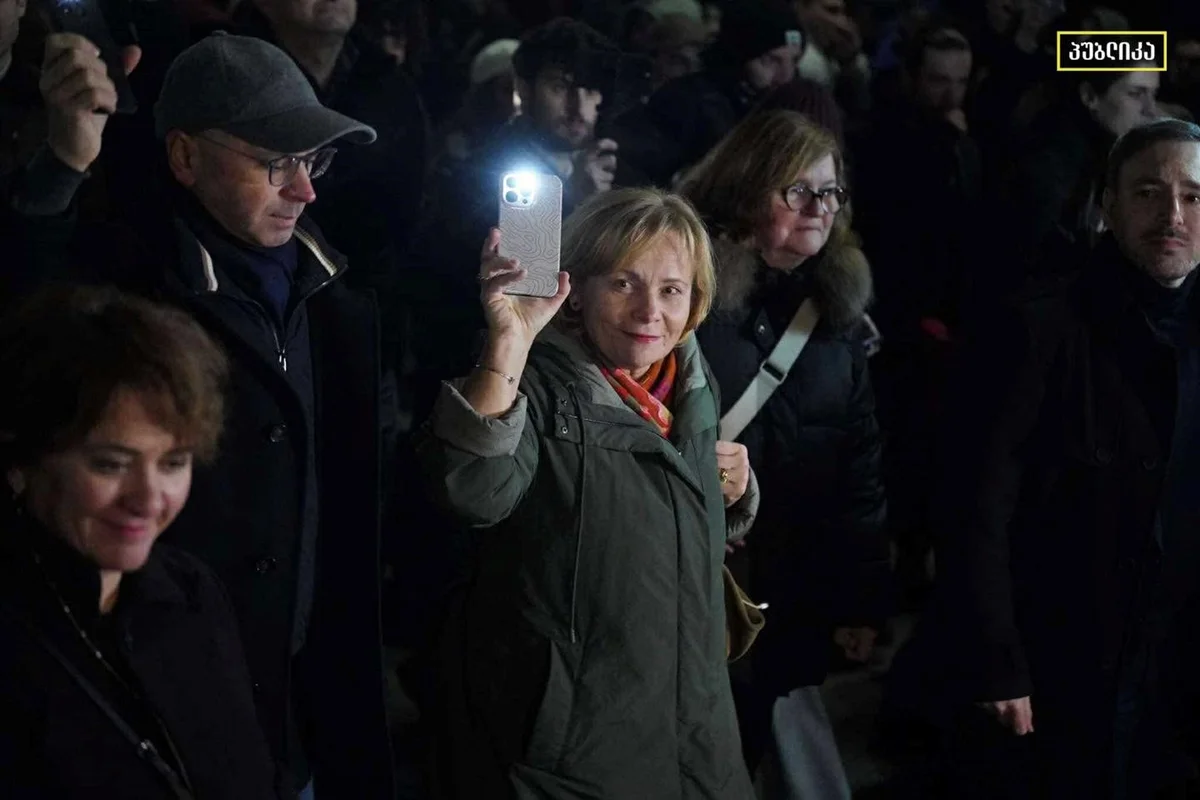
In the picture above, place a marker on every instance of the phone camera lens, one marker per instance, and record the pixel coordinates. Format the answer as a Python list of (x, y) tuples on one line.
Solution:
[(510, 196), (510, 182)]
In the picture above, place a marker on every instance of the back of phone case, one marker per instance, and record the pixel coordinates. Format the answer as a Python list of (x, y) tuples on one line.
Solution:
[(531, 229), (85, 18)]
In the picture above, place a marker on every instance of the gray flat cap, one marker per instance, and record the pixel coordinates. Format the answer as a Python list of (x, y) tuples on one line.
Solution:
[(250, 89)]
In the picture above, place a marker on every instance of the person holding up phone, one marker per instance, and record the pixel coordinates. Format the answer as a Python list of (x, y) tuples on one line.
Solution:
[(590, 646), (289, 513), (558, 70)]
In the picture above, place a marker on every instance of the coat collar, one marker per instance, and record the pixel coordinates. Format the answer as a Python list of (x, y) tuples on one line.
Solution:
[(694, 409), (567, 349), (206, 251), (841, 281), (1109, 290), (77, 579)]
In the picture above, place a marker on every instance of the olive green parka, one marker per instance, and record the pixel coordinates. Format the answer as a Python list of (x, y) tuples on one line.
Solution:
[(589, 648)]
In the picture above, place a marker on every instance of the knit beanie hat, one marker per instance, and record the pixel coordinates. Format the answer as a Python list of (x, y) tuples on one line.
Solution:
[(666, 8), (751, 28)]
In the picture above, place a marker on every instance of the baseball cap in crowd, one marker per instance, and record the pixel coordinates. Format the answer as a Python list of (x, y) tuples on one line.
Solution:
[(250, 89), (493, 61)]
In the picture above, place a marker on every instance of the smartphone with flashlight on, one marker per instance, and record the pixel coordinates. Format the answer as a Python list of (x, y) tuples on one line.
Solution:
[(531, 229), (86, 18)]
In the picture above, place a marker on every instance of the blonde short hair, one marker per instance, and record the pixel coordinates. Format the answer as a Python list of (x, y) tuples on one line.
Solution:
[(613, 228), (733, 185)]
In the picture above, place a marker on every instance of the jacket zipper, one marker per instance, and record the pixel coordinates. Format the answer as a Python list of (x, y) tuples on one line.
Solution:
[(579, 515), (582, 487), (280, 350), (334, 273), (330, 267)]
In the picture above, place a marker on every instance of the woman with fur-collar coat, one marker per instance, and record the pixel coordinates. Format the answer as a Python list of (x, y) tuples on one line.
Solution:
[(773, 196)]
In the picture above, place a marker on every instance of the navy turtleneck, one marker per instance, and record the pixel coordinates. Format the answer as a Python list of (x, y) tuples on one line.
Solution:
[(270, 272)]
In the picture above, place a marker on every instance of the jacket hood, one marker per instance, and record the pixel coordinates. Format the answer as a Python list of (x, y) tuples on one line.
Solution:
[(841, 281)]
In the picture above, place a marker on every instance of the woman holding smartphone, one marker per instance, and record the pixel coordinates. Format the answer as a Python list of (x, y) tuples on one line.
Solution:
[(587, 657)]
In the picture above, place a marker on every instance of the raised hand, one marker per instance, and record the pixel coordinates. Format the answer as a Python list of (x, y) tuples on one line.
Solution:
[(79, 97), (595, 169), (1015, 715), (513, 316)]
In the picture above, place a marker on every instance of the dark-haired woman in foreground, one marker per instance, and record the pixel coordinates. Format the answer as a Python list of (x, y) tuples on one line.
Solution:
[(122, 675)]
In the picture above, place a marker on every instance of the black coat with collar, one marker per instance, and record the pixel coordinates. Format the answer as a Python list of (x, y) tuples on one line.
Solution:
[(818, 550), (1054, 484), (175, 639), (246, 513)]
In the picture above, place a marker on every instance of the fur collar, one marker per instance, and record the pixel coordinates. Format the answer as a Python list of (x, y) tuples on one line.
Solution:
[(841, 281)]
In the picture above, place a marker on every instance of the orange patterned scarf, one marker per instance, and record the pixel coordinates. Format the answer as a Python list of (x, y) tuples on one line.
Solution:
[(650, 397)]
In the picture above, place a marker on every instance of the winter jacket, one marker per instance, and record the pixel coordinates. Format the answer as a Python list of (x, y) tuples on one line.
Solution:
[(920, 271), (289, 513), (172, 637), (590, 645), (681, 122), (818, 552), (1054, 571)]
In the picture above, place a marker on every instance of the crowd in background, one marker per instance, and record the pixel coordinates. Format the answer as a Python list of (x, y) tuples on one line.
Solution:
[(416, 484)]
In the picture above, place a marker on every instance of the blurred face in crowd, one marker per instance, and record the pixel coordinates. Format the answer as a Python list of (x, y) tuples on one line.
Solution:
[(1184, 66), (11, 12), (823, 11), (231, 180), (831, 27), (498, 100), (1002, 15), (637, 314), (712, 20), (564, 112), (110, 496), (394, 42), (334, 17), (787, 238), (1127, 103), (940, 84), (677, 62), (1154, 211), (774, 68)]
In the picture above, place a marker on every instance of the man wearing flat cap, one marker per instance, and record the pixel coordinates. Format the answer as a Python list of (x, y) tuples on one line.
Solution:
[(288, 515)]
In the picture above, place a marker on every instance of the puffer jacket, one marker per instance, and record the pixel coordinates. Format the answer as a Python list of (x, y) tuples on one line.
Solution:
[(818, 554), (588, 654)]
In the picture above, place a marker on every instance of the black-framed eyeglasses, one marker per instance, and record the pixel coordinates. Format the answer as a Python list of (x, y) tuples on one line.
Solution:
[(831, 199), (282, 170)]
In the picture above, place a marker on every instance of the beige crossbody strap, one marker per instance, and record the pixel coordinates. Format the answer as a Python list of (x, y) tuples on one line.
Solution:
[(772, 372)]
